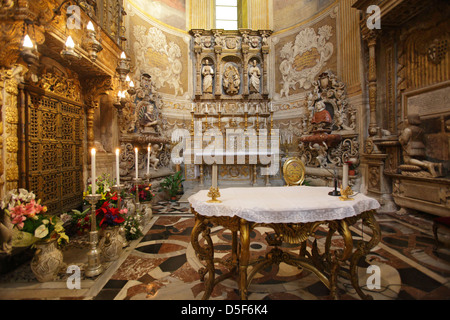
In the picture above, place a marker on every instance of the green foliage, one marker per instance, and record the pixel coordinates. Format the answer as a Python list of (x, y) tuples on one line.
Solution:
[(172, 184)]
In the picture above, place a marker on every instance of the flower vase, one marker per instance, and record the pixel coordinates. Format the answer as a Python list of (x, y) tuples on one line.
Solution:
[(146, 212), (47, 260), (111, 244)]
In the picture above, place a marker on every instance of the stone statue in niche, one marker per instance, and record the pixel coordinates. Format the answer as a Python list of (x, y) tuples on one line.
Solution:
[(208, 73), (413, 147), (231, 79), (255, 75)]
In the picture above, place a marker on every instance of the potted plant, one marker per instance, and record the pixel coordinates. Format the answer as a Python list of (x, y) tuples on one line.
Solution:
[(172, 184), (32, 226)]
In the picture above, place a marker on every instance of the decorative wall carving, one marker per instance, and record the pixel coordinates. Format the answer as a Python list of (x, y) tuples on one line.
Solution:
[(303, 59), (158, 57)]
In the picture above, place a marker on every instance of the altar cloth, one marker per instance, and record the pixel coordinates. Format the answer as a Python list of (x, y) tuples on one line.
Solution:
[(293, 204)]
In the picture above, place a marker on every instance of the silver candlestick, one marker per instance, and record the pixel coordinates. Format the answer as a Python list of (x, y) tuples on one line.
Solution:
[(94, 267)]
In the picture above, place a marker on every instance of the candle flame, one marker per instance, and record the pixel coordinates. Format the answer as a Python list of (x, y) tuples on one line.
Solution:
[(27, 43), (93, 151), (131, 84), (69, 43), (90, 26), (123, 56), (128, 78), (117, 151)]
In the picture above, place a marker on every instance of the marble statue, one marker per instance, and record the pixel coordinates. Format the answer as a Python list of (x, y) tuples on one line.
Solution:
[(413, 147), (154, 153), (255, 75), (231, 79), (207, 72)]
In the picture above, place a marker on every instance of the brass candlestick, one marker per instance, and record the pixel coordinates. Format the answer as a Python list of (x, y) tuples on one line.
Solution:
[(345, 193), (214, 194), (137, 182), (94, 267)]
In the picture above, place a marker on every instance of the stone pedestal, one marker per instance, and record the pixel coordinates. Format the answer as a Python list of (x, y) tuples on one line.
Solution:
[(377, 184)]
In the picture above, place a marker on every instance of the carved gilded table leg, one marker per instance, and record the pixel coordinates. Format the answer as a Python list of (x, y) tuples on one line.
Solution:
[(363, 248), (244, 258), (204, 253)]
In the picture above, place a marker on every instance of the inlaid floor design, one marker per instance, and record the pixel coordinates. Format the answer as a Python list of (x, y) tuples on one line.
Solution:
[(164, 266)]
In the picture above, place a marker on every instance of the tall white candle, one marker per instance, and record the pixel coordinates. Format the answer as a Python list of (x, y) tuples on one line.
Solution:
[(214, 175), (246, 107), (117, 167), (149, 149), (271, 107), (93, 177), (257, 108), (136, 161), (345, 176)]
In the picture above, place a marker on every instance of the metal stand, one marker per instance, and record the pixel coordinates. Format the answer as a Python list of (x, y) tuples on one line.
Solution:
[(94, 267)]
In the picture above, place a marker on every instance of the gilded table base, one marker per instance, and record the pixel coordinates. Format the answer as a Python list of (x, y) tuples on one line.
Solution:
[(326, 265)]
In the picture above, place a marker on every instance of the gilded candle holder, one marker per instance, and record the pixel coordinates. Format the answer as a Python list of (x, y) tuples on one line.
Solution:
[(137, 182), (214, 194), (345, 193), (94, 267)]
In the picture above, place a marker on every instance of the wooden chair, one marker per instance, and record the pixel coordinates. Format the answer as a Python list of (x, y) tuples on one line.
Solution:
[(293, 171)]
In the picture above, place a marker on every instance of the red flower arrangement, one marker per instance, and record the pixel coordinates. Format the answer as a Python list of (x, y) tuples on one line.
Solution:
[(109, 216), (145, 192)]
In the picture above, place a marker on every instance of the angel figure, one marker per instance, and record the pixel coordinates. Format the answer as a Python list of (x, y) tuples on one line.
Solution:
[(154, 153)]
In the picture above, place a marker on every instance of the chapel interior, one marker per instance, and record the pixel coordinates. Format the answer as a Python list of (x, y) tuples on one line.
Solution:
[(353, 94)]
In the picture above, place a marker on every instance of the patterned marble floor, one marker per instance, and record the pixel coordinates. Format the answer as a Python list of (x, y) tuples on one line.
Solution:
[(163, 266)]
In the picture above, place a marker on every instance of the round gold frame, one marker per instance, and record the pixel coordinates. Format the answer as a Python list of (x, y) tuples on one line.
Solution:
[(294, 171)]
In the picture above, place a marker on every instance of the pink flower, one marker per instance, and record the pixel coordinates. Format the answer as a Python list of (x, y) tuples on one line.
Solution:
[(18, 221), (17, 215), (30, 209)]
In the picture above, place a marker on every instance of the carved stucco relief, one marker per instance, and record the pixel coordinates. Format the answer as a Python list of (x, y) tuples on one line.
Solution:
[(158, 57), (303, 59)]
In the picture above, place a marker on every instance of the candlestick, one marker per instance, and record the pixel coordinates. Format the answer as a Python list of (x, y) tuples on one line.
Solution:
[(149, 149), (93, 178), (117, 167), (94, 267), (136, 161), (345, 176), (214, 175)]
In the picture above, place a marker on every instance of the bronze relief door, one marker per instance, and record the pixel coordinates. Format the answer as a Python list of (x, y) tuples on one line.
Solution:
[(53, 149)]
